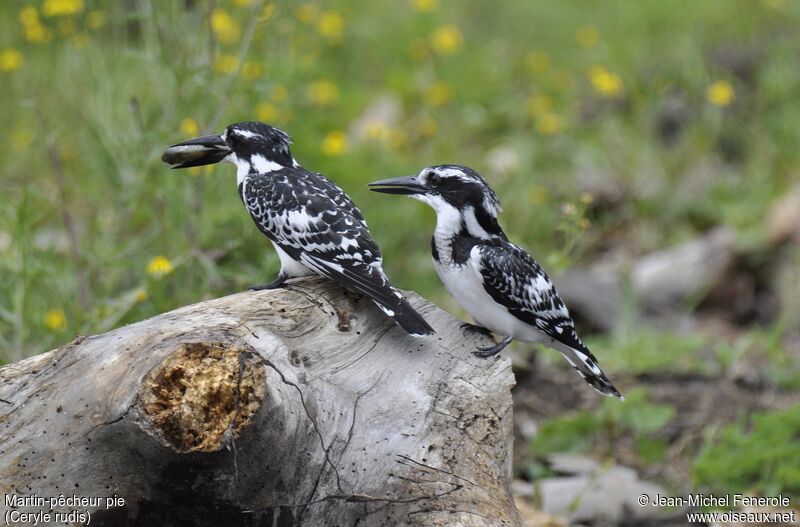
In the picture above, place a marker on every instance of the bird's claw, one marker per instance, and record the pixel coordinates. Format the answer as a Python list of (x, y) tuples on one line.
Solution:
[(275, 284), (485, 353), (466, 327)]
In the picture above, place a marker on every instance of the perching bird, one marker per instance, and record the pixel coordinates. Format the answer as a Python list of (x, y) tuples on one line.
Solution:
[(496, 282), (314, 226)]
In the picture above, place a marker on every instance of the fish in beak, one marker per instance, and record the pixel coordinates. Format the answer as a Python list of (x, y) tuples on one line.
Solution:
[(200, 151)]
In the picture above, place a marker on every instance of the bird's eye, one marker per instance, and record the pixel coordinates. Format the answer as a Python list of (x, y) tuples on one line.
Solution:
[(433, 179)]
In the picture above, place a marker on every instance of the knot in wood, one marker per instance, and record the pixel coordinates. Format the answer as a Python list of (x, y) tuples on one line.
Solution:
[(201, 394)]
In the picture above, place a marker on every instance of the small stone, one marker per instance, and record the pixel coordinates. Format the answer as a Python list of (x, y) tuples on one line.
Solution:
[(783, 219), (572, 464), (607, 495), (670, 276)]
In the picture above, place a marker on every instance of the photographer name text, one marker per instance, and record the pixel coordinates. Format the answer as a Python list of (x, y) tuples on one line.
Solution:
[(719, 500)]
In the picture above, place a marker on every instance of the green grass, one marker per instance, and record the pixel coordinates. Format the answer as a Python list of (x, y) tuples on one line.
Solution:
[(567, 92), (599, 431), (759, 455)]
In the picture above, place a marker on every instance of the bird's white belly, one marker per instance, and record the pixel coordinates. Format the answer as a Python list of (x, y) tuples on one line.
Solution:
[(289, 266), (466, 285)]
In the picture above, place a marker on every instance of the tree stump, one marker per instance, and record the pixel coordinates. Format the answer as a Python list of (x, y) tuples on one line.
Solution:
[(298, 406)]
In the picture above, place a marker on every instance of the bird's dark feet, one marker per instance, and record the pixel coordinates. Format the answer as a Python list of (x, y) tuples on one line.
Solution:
[(467, 327), (485, 353), (275, 284)]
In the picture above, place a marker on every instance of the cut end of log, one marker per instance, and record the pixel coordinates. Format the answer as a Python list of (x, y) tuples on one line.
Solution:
[(201, 394)]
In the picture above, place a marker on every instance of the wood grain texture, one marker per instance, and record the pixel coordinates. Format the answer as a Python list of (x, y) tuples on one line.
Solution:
[(298, 406)]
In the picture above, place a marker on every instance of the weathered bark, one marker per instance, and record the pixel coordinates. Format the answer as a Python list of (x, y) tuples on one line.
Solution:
[(300, 406)]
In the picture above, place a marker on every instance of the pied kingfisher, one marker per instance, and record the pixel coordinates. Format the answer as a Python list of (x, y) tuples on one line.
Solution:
[(314, 226), (496, 282)]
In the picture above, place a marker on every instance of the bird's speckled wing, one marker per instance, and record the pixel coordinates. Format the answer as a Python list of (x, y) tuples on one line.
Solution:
[(516, 281), (305, 212), (317, 224), (341, 199)]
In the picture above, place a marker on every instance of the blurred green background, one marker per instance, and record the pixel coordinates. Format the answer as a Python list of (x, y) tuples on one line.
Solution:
[(610, 130)]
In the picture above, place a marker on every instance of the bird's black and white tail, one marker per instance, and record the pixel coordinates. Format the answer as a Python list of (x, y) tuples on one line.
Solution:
[(373, 283), (586, 365), (404, 315)]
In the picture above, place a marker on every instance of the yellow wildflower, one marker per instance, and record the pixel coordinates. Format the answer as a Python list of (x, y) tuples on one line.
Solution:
[(55, 319), (439, 94), (28, 16), (21, 139), (266, 112), (447, 39), (37, 33), (604, 82), (587, 37), (428, 128), (720, 93), (376, 131), (538, 104), (11, 59), (279, 93), (537, 61), (323, 92), (95, 19), (584, 223), (160, 266), (243, 3), (306, 13), (549, 123), (189, 127), (226, 63), (267, 11), (330, 25), (587, 198), (334, 143), (424, 6), (61, 7), (225, 28), (140, 295), (251, 70)]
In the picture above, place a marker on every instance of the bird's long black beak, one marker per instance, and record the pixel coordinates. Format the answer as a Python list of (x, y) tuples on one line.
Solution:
[(196, 152), (406, 185)]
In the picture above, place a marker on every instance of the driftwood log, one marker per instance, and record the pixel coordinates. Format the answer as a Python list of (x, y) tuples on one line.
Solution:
[(299, 406)]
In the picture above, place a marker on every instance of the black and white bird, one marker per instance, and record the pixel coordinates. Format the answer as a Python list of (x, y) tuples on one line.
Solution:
[(313, 224), (493, 280)]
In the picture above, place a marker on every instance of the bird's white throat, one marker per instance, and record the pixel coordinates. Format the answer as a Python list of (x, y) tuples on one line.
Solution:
[(256, 163), (263, 165), (451, 220), (448, 225)]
